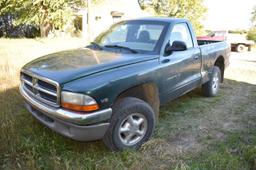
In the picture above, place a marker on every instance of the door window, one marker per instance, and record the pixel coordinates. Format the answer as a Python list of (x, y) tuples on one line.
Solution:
[(181, 32)]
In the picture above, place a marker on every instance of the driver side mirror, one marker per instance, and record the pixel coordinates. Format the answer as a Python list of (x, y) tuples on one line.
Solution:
[(176, 46)]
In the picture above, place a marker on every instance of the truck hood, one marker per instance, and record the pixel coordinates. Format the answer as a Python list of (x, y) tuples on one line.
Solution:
[(69, 65)]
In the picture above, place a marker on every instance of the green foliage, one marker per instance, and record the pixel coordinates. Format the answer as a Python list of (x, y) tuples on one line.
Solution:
[(251, 35), (47, 14), (189, 9), (253, 18), (238, 31)]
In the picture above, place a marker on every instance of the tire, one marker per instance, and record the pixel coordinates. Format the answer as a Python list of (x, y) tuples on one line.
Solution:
[(211, 87), (126, 120), (250, 48), (241, 48)]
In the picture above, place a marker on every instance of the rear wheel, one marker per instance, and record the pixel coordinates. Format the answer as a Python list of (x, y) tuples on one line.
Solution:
[(241, 48), (250, 48), (211, 87), (131, 125)]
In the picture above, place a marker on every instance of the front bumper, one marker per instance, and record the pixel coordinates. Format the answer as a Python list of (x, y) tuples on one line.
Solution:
[(81, 127)]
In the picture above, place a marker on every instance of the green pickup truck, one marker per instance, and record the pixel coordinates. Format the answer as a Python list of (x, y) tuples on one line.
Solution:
[(112, 89)]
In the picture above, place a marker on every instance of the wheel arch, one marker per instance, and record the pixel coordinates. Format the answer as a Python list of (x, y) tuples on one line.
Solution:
[(148, 92), (220, 62)]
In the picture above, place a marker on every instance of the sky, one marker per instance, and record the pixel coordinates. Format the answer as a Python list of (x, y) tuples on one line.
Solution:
[(228, 14)]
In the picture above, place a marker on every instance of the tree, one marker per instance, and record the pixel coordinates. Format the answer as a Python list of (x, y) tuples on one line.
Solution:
[(193, 10), (251, 35), (47, 14), (253, 18)]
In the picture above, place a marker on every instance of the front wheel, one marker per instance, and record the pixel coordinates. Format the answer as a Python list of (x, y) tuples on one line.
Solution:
[(211, 87), (131, 125)]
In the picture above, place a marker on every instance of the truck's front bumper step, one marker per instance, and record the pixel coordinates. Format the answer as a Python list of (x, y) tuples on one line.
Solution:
[(82, 127)]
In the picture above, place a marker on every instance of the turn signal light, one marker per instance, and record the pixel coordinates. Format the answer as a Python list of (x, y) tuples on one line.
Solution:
[(79, 108)]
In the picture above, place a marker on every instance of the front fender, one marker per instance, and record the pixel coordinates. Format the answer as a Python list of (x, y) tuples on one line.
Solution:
[(106, 86)]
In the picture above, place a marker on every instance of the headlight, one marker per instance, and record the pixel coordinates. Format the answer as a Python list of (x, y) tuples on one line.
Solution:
[(78, 102)]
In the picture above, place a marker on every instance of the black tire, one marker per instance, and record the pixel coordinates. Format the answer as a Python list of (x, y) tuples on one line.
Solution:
[(122, 109), (208, 88), (241, 48), (249, 48)]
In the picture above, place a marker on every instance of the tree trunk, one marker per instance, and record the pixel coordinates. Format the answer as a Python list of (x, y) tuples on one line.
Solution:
[(89, 20), (45, 28), (45, 25)]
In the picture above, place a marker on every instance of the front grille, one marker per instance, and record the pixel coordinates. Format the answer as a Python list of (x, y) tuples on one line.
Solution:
[(42, 89)]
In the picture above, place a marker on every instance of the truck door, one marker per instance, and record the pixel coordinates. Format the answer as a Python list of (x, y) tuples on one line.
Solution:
[(181, 68)]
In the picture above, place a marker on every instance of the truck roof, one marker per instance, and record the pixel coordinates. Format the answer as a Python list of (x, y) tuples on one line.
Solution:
[(162, 19)]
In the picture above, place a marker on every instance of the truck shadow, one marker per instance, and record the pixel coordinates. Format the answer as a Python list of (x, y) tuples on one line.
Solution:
[(20, 131)]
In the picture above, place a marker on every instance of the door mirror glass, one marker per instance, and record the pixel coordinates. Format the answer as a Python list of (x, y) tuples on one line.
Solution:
[(176, 46)]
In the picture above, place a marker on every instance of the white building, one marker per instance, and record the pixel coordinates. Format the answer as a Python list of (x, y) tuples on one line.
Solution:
[(106, 13)]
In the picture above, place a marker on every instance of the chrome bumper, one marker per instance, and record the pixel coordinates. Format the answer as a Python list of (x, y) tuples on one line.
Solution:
[(69, 116)]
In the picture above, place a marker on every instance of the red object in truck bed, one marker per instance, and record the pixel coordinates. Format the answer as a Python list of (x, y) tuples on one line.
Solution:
[(209, 38)]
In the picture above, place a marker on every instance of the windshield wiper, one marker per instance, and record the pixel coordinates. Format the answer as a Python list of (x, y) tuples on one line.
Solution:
[(123, 47), (96, 45)]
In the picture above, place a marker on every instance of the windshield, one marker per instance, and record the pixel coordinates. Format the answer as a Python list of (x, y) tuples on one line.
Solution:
[(141, 36)]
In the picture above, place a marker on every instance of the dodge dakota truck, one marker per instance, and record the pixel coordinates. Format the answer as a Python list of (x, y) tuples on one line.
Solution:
[(112, 89)]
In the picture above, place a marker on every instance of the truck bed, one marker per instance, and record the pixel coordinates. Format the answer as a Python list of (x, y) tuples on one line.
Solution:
[(204, 42), (210, 51)]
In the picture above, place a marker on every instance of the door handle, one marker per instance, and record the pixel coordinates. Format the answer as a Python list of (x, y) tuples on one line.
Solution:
[(196, 57), (165, 60)]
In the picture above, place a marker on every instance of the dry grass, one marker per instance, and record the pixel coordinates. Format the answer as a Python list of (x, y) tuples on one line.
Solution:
[(14, 53), (194, 132), (243, 67)]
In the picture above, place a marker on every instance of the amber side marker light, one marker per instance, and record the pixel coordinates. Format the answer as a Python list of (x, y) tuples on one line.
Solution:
[(80, 108)]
